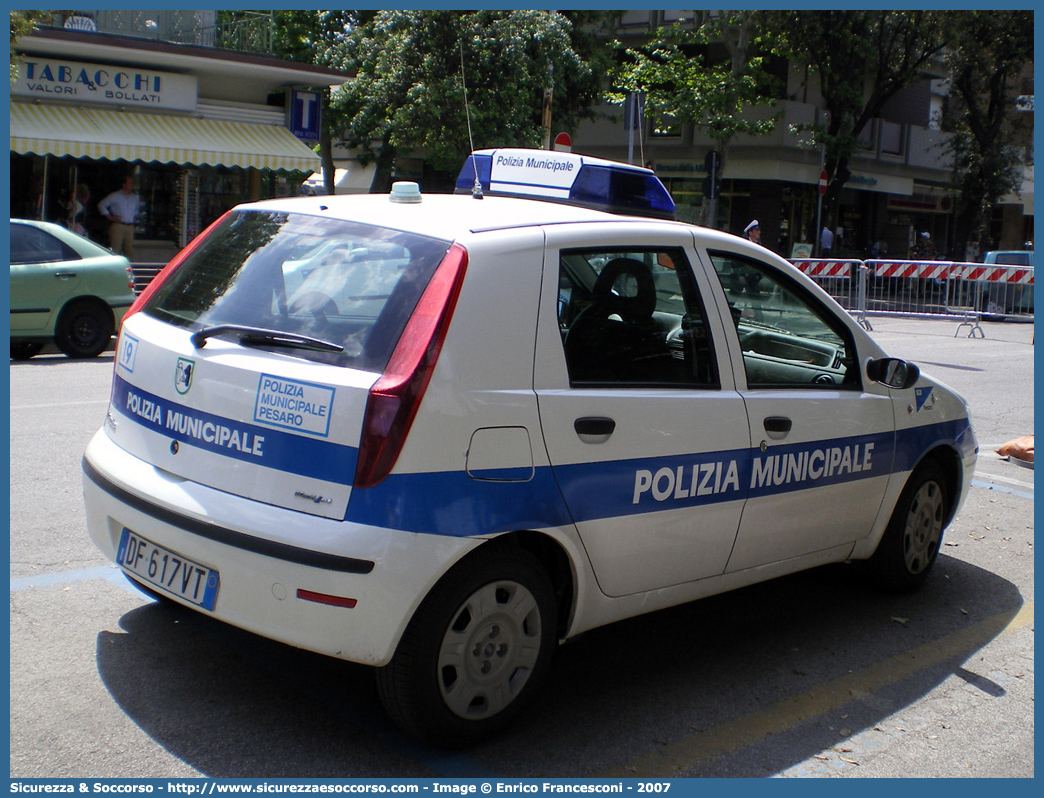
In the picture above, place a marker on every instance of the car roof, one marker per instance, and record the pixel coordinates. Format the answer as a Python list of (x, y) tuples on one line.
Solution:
[(455, 216)]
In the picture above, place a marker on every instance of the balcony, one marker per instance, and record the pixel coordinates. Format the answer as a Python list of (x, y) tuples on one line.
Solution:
[(242, 31)]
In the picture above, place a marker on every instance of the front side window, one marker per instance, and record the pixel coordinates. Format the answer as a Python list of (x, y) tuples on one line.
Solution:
[(350, 286), (788, 338), (633, 317)]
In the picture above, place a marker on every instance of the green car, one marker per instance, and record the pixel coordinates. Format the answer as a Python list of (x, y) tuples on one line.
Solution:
[(64, 289)]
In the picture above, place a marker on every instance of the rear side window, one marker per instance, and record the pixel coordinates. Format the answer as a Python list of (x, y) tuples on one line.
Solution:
[(633, 317), (1012, 259), (30, 245), (349, 285)]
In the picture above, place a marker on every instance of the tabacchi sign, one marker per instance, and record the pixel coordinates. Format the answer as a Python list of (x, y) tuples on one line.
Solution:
[(97, 83)]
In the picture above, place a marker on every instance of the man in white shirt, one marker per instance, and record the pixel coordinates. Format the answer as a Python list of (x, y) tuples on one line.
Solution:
[(121, 208)]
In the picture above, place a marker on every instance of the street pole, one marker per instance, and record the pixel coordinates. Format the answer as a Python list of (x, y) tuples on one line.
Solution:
[(819, 204), (548, 92), (633, 116)]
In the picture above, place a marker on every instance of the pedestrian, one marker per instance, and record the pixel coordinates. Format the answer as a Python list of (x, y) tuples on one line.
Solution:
[(747, 278), (826, 240), (923, 248), (78, 209), (121, 209), (752, 232)]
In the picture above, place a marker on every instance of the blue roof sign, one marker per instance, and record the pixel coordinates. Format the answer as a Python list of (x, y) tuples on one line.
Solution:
[(567, 177)]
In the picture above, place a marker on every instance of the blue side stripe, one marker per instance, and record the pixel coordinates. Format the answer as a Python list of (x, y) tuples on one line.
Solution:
[(451, 503), (283, 451)]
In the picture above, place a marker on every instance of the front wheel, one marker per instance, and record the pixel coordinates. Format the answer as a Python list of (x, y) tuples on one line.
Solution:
[(475, 652), (910, 544)]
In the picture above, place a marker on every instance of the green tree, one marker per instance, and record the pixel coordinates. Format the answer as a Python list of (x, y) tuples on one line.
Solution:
[(22, 24), (682, 82), (413, 69), (991, 51), (862, 60), (306, 36)]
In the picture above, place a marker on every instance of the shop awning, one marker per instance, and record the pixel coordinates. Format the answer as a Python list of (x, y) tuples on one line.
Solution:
[(129, 136)]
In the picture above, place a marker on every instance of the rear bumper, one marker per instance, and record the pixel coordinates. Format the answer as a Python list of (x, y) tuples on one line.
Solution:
[(273, 563)]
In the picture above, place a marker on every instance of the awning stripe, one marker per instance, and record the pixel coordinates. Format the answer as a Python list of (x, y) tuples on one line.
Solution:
[(130, 136)]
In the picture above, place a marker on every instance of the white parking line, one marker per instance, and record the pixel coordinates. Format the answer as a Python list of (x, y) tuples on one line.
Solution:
[(1022, 483)]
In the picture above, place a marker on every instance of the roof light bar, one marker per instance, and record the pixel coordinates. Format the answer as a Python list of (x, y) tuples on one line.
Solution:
[(567, 177)]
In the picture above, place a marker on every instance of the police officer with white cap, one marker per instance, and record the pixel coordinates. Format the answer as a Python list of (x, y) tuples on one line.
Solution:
[(752, 232), (745, 278)]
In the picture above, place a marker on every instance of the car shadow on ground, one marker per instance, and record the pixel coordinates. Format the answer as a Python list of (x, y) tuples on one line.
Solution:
[(46, 359), (234, 705)]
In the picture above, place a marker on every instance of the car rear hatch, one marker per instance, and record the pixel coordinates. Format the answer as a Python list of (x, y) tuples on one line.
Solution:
[(272, 351)]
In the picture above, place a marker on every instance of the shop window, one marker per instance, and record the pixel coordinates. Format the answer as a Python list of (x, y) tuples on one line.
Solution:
[(158, 213)]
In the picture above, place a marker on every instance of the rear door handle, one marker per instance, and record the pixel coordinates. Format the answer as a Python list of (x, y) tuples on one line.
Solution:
[(594, 429), (778, 424)]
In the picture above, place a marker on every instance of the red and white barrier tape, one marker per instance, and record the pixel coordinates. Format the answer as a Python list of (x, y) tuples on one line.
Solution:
[(926, 269), (826, 268)]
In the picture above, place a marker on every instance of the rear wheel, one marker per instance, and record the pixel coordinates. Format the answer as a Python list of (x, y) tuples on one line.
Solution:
[(475, 652), (910, 544), (84, 329)]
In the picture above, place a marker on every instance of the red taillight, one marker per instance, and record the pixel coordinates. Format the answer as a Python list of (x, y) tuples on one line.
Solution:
[(167, 270), (394, 398)]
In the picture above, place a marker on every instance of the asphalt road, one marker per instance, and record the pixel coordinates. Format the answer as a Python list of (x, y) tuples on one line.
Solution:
[(811, 675)]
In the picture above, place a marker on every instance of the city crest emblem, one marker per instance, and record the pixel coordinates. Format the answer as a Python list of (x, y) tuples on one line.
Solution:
[(183, 375)]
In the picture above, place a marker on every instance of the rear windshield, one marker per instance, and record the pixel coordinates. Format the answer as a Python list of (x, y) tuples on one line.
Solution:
[(350, 286)]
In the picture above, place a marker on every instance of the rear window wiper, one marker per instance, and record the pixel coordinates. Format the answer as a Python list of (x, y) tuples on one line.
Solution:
[(258, 335)]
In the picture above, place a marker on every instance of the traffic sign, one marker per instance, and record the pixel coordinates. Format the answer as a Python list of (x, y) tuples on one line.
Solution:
[(304, 113), (823, 182)]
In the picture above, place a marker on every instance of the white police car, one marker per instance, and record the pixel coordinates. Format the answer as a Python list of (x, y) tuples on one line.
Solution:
[(440, 434)]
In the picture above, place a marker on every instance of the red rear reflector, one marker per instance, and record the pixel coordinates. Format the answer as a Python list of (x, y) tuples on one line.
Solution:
[(325, 598), (394, 398)]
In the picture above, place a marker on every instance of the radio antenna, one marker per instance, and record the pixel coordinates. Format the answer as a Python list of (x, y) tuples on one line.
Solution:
[(476, 190)]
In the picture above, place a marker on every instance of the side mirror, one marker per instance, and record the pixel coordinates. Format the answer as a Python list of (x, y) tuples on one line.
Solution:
[(893, 372)]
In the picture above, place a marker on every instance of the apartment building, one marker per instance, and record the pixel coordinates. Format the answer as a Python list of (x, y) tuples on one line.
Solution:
[(901, 183)]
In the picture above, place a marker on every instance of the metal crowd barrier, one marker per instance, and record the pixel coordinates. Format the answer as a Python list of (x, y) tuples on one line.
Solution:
[(963, 292)]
